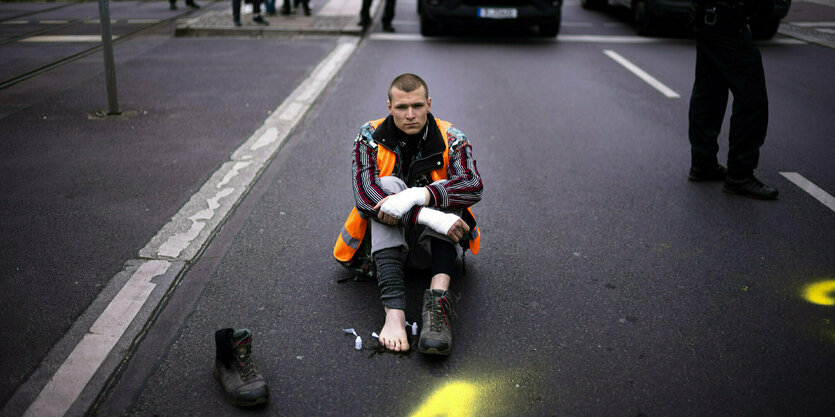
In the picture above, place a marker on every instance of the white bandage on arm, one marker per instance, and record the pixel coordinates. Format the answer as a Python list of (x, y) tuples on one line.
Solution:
[(436, 220), (398, 204)]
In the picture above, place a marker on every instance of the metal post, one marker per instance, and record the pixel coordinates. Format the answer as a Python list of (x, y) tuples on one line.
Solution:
[(109, 67)]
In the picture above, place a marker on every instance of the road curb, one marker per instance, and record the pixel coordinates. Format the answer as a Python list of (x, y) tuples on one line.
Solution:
[(807, 34)]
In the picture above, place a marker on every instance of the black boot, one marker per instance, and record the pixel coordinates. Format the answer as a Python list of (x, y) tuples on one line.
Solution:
[(749, 187), (235, 368)]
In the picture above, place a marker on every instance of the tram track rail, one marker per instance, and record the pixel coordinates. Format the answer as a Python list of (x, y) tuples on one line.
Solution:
[(83, 53)]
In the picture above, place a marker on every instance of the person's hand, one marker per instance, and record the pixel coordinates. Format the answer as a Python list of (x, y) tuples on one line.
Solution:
[(399, 204), (383, 217), (444, 223), (458, 230)]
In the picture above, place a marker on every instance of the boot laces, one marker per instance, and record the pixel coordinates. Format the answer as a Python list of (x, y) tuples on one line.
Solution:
[(245, 364), (439, 313)]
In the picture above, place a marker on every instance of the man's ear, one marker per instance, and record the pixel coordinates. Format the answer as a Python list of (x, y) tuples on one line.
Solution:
[(429, 104), (388, 104)]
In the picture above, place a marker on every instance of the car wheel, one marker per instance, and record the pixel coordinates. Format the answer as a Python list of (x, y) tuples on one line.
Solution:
[(550, 29), (764, 28), (644, 22), (427, 26), (594, 4)]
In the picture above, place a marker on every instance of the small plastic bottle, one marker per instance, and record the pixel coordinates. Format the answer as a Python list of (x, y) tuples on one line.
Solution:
[(414, 329), (358, 343)]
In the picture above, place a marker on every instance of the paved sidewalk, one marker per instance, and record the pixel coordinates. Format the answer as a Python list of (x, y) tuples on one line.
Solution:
[(812, 21), (328, 17)]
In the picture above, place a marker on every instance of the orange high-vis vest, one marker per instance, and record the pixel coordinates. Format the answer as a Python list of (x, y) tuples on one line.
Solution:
[(354, 230)]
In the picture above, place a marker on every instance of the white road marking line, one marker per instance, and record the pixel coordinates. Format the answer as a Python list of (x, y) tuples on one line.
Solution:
[(15, 22), (649, 79), (826, 30), (183, 239), (576, 24), (813, 24), (608, 39), (143, 21), (54, 22), (414, 37), (811, 188), (74, 374), (97, 21), (64, 38)]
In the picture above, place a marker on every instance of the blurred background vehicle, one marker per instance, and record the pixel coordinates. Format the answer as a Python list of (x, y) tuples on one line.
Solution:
[(652, 16), (437, 15)]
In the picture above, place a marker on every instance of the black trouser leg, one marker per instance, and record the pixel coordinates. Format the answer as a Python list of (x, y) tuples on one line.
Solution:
[(236, 10), (388, 12), (365, 12), (749, 121), (738, 62), (707, 109)]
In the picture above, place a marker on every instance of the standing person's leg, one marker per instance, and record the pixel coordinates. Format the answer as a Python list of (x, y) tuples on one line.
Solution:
[(269, 7), (388, 15), (740, 63), (285, 8), (256, 13), (707, 110), (172, 4), (388, 249), (236, 12), (749, 120), (365, 16)]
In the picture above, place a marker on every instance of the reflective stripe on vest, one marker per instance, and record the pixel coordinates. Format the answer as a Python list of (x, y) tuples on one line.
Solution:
[(353, 232)]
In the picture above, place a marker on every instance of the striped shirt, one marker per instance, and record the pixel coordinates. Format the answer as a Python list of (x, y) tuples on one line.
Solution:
[(460, 190)]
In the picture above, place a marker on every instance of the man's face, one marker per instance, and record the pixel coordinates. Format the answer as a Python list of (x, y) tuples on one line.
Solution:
[(409, 109)]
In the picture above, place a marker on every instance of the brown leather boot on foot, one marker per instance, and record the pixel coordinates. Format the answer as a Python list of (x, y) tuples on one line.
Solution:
[(436, 334)]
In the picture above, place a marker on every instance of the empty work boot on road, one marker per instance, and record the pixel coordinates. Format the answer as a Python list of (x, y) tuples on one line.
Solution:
[(235, 368), (436, 334)]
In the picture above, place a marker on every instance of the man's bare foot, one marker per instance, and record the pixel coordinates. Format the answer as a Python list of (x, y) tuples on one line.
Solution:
[(393, 335)]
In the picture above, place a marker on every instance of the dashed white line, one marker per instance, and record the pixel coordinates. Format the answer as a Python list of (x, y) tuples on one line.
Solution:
[(649, 79), (811, 188), (54, 22), (14, 22), (97, 21), (143, 21)]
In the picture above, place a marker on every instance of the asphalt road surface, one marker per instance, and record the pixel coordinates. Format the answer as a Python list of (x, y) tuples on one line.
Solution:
[(607, 284)]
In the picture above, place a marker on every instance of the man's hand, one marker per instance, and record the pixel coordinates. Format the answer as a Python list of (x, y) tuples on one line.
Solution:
[(445, 223), (399, 204), (458, 230), (383, 217)]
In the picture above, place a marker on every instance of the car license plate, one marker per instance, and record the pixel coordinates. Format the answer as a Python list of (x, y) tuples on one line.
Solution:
[(497, 13)]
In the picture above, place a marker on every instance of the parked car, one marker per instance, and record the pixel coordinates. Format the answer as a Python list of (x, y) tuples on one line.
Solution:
[(436, 14), (651, 15)]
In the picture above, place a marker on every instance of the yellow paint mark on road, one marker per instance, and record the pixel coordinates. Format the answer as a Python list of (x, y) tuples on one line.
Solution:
[(820, 293), (456, 399)]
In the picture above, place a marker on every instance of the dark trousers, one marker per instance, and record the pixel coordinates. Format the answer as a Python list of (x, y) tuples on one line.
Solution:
[(236, 8), (727, 60), (388, 11)]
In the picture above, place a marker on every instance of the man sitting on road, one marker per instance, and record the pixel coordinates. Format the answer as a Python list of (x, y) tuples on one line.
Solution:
[(414, 178)]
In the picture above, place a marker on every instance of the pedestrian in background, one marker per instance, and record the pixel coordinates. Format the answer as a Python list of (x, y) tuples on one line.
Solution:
[(256, 13), (728, 60), (388, 15), (189, 3)]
